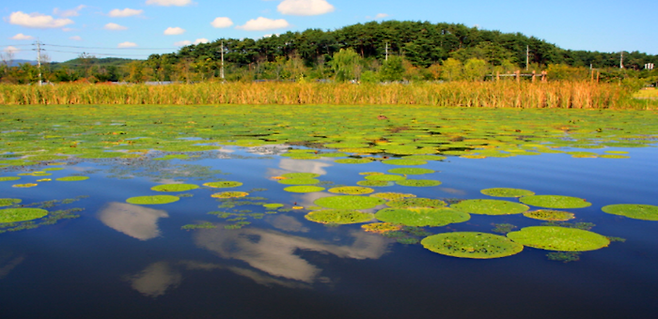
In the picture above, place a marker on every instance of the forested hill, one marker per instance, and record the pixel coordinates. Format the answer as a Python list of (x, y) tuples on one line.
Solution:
[(421, 43)]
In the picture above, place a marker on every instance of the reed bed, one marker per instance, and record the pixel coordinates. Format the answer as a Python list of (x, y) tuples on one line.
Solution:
[(503, 94)]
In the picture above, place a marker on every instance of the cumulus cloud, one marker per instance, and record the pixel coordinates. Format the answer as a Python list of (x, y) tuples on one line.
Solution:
[(69, 13), (202, 40), (21, 36), (305, 7), (381, 16), (114, 27), (127, 12), (174, 31), (261, 24), (11, 50), (127, 45), (76, 38), (221, 22), (37, 20), (167, 3), (188, 42)]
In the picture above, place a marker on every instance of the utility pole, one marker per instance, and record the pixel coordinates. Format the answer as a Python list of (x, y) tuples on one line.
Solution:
[(621, 60), (527, 57), (39, 60), (221, 71), (386, 51)]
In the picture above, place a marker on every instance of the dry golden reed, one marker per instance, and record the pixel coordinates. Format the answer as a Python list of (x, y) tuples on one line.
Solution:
[(502, 94)]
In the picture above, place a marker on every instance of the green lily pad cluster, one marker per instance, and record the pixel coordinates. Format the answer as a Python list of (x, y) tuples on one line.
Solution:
[(338, 216)]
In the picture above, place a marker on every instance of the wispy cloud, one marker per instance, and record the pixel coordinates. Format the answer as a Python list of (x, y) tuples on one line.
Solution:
[(167, 3), (127, 12), (11, 50), (76, 38), (70, 12), (114, 27), (305, 7), (174, 31), (261, 24), (37, 20), (127, 45), (221, 22), (188, 42), (21, 36)]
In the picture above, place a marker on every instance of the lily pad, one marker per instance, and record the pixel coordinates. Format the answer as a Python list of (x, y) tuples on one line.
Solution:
[(223, 184), (26, 185), (9, 178), (385, 177), (559, 238), (550, 215), (9, 201), (474, 245), (303, 189), (392, 196), (416, 202), (152, 200), (353, 160), (506, 192), (229, 194), (490, 207), (349, 202), (374, 183), (422, 216), (381, 228), (273, 205), (299, 181), (419, 182), (12, 215), (174, 187), (351, 190), (411, 171), (555, 201), (635, 211), (72, 178), (339, 216), (300, 175), (402, 161)]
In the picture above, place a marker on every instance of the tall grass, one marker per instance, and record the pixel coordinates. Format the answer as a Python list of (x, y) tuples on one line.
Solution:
[(503, 94)]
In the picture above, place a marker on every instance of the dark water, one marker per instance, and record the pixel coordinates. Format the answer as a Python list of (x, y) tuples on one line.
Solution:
[(126, 261)]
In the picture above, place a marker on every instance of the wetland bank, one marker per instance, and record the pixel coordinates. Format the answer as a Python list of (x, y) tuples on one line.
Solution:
[(328, 211)]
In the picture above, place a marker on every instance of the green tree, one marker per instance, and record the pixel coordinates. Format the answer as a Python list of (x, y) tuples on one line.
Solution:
[(345, 64), (475, 69), (452, 70), (392, 69)]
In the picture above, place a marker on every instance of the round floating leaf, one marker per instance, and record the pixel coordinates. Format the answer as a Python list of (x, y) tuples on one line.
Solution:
[(72, 178), (614, 156), (411, 171), (53, 169), (506, 192), (12, 215), (9, 201), (223, 184), (422, 216), (416, 202), (27, 185), (152, 200), (273, 205), (353, 160), (385, 177), (419, 182), (425, 157), (636, 211), (559, 238), (338, 216), (351, 190), (332, 154), (380, 228), (402, 161), (392, 196), (299, 181), (349, 202), (303, 189), (550, 215), (374, 183), (174, 187), (490, 207), (300, 175), (474, 245), (229, 194), (9, 178), (555, 201)]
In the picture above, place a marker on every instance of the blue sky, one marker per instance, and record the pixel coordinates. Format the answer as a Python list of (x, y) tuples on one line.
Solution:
[(135, 29)]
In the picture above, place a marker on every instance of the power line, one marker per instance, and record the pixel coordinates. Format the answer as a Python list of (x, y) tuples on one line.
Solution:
[(105, 48)]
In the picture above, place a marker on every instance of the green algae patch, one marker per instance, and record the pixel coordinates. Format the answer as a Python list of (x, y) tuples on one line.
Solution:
[(411, 171), (353, 160), (422, 216), (349, 202), (229, 194), (380, 228), (174, 187), (338, 216), (26, 185), (299, 181), (172, 156), (506, 192), (406, 162), (152, 200), (555, 201), (303, 189), (385, 177), (559, 238), (351, 190), (635, 211), (9, 178), (473, 245), (392, 196), (72, 178), (300, 175), (223, 184), (419, 182), (9, 201), (549, 215), (490, 207), (374, 183), (416, 202), (12, 215)]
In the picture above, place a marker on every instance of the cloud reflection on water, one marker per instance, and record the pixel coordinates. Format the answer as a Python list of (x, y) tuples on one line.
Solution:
[(133, 220), (156, 279)]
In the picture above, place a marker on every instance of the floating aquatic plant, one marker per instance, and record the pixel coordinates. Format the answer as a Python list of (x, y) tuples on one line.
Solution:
[(506, 192), (503, 228), (174, 187), (490, 207), (205, 225), (351, 190), (26, 185), (229, 194), (419, 182), (72, 178), (406, 162), (380, 228), (9, 178), (392, 196), (564, 256), (152, 200), (559, 238), (385, 177), (273, 205), (9, 201), (299, 181), (12, 215), (222, 184), (300, 175), (544, 214), (555, 201), (635, 211), (374, 183), (364, 160), (411, 171), (338, 216), (349, 202), (303, 189), (474, 245), (422, 216), (416, 202)]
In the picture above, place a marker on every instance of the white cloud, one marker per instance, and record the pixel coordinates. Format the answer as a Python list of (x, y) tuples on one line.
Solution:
[(127, 12), (114, 27), (167, 3), (221, 22), (127, 45), (76, 38), (305, 7), (261, 24), (174, 31), (202, 40), (69, 13), (21, 36), (381, 16), (37, 20), (182, 43), (68, 29), (11, 49)]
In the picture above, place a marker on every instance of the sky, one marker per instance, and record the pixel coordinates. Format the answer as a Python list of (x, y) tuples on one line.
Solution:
[(136, 29)]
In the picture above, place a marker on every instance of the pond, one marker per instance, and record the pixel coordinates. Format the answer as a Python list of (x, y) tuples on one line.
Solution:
[(327, 212)]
